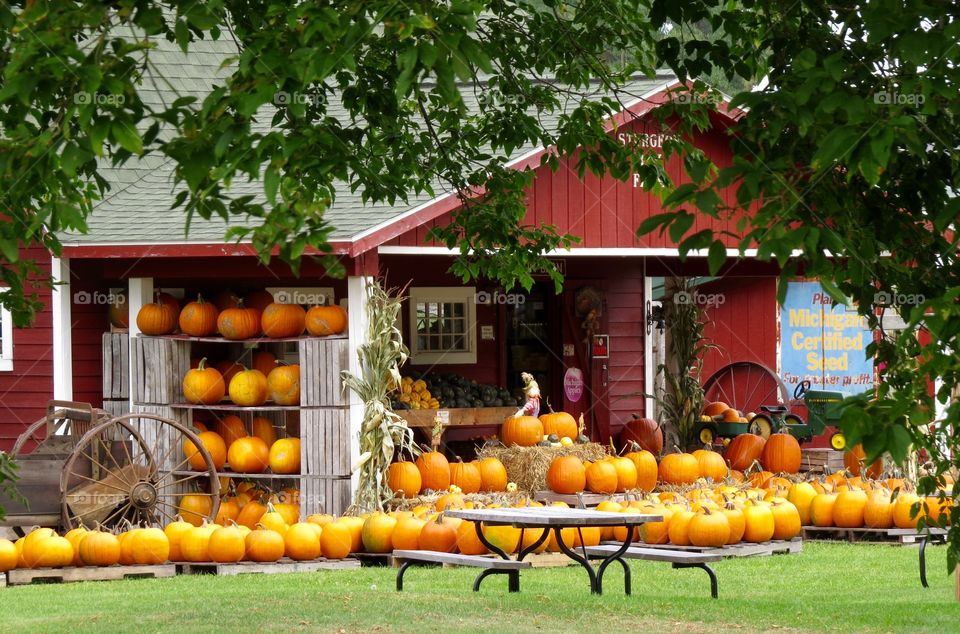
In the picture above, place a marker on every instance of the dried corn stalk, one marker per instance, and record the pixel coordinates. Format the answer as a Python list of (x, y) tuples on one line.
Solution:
[(383, 432)]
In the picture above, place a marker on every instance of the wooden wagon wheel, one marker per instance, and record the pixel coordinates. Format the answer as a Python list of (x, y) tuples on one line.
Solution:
[(50, 440), (133, 468), (745, 385)]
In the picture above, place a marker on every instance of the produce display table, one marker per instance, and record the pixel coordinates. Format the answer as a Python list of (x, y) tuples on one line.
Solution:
[(556, 519)]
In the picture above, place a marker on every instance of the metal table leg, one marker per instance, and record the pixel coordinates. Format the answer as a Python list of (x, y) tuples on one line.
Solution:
[(617, 556), (513, 576), (583, 561), (710, 573), (923, 562)]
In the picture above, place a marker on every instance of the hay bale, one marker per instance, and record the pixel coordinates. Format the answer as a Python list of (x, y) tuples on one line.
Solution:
[(527, 466)]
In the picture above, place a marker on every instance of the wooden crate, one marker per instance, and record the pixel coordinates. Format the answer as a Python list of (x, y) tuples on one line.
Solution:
[(116, 366), (324, 460), (159, 366), (321, 360), (26, 576), (285, 565), (820, 460)]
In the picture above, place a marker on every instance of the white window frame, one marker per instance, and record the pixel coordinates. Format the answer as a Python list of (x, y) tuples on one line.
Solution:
[(6, 332), (465, 294)]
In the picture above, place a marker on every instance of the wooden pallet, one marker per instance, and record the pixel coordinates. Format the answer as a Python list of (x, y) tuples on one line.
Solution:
[(26, 576), (905, 536), (742, 549), (3, 579), (375, 559), (249, 567), (819, 460)]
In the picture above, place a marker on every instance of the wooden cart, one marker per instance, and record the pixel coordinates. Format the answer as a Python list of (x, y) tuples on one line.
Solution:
[(81, 466)]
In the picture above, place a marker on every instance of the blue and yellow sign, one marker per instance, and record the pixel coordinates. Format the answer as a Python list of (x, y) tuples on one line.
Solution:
[(822, 343)]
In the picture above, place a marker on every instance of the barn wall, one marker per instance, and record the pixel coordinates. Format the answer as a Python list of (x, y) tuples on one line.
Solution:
[(25, 390)]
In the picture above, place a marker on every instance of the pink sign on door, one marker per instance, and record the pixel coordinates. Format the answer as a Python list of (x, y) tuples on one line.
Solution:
[(573, 384)]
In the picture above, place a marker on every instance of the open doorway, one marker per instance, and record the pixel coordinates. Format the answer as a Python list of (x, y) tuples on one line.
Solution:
[(533, 342)]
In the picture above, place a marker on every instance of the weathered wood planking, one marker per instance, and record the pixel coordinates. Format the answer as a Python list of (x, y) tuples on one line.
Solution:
[(820, 460), (25, 576), (116, 407), (466, 416), (285, 565), (116, 365), (159, 365), (321, 361), (324, 460)]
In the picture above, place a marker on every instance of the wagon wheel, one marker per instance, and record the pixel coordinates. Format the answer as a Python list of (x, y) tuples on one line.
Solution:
[(761, 425), (133, 468), (745, 385), (51, 439)]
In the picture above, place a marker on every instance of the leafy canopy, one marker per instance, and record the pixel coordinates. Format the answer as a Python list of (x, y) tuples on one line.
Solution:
[(846, 157)]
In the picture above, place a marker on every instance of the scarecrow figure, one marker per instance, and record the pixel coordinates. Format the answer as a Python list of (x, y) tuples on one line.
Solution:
[(532, 391)]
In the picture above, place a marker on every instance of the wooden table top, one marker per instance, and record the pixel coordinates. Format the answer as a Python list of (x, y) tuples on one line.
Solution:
[(550, 516)]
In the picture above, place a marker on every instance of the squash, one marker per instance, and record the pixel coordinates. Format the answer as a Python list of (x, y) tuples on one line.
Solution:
[(493, 475), (150, 547), (781, 454), (560, 423), (322, 321), (679, 468), (377, 533), (434, 471), (601, 477), (743, 451), (335, 541), (195, 508), (465, 475), (302, 541)]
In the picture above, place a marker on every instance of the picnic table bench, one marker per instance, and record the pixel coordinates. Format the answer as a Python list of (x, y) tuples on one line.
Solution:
[(544, 518), (679, 559)]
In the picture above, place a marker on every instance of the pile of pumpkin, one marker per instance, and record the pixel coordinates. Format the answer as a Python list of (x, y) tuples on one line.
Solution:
[(256, 315), (554, 429), (253, 453), (206, 385), (433, 472)]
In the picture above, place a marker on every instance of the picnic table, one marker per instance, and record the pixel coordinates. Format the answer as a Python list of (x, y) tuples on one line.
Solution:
[(556, 519)]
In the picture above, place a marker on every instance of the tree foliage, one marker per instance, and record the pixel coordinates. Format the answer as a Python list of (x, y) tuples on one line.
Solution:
[(846, 158)]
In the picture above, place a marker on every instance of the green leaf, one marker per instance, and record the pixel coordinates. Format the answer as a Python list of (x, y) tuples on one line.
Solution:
[(72, 157), (898, 443), (680, 225), (271, 183), (126, 135), (716, 256)]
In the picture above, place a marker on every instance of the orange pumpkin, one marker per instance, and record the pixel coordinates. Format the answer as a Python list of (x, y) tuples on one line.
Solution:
[(248, 388), (377, 533), (524, 431), (434, 470), (853, 460), (251, 513), (258, 299), (283, 385), (465, 475), (97, 548), (743, 451), (336, 541), (711, 464), (263, 429), (468, 542), (566, 475), (228, 369), (283, 320), (203, 385), (284, 456), (232, 428), (781, 454), (195, 508), (679, 468), (119, 311), (758, 523), (321, 321), (157, 318), (493, 475), (626, 473), (646, 465), (249, 455), (264, 545), (302, 542), (213, 443), (601, 477), (264, 360), (560, 423), (646, 432), (239, 323), (404, 479), (199, 318)]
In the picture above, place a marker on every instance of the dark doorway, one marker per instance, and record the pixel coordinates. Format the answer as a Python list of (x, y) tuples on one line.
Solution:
[(533, 342)]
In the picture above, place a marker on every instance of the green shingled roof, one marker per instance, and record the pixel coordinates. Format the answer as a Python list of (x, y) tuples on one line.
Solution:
[(137, 208)]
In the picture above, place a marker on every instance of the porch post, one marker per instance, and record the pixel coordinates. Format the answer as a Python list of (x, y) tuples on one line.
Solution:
[(61, 306), (139, 292), (357, 294), (648, 346)]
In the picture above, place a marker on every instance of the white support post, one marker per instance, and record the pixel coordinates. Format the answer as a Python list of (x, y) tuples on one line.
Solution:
[(648, 346), (139, 292), (61, 301), (357, 295)]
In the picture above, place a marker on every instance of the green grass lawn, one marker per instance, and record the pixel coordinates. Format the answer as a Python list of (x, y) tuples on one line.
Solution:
[(827, 588)]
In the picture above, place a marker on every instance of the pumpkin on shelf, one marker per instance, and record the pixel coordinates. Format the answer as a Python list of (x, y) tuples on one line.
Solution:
[(249, 455), (284, 456), (524, 431), (263, 360), (263, 428), (283, 385), (258, 299), (199, 318), (157, 318), (283, 320), (215, 446), (322, 321), (239, 323), (231, 427), (195, 508), (248, 388), (646, 432), (228, 369), (226, 299), (203, 385)]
